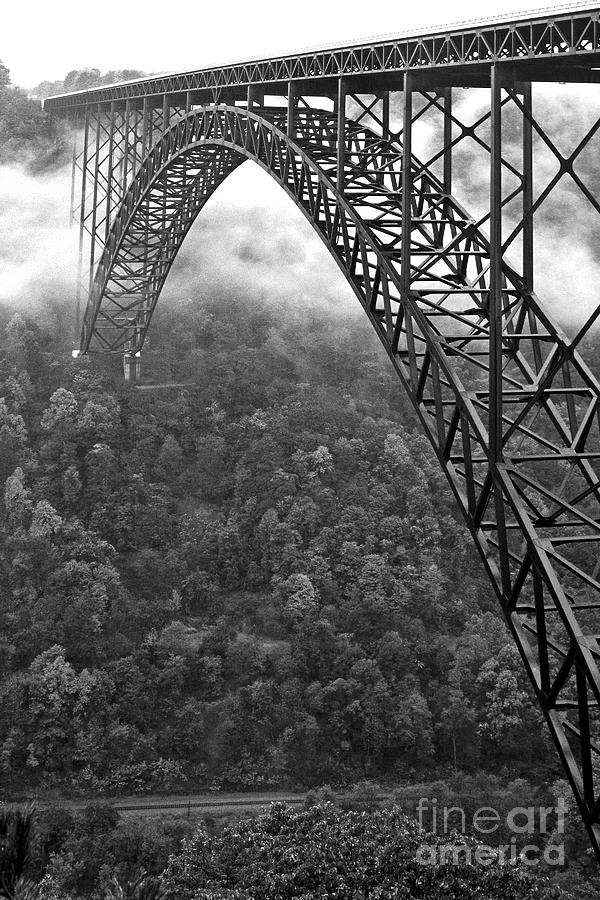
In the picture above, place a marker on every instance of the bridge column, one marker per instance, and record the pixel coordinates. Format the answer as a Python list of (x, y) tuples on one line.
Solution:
[(96, 181), (132, 365), (527, 188), (385, 130), (166, 112), (256, 96), (110, 171), (495, 295), (385, 115), (341, 133), (82, 214), (407, 184), (291, 108), (496, 320), (447, 95)]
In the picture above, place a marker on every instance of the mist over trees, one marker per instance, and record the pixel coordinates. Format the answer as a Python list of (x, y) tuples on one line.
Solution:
[(28, 137)]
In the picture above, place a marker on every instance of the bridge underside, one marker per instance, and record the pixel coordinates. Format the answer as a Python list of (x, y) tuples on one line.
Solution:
[(511, 409)]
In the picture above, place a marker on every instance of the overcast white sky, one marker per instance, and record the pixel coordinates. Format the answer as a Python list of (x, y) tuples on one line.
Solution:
[(44, 39)]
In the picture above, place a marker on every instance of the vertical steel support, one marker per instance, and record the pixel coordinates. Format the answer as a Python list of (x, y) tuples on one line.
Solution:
[(84, 159), (341, 133), (256, 96), (447, 96), (126, 128), (73, 175), (587, 767), (385, 115), (291, 108), (95, 197), (527, 189), (385, 132), (166, 115), (146, 130), (407, 185), (132, 365), (495, 298), (109, 174), (495, 453)]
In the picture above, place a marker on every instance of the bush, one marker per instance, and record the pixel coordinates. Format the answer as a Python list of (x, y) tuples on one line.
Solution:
[(362, 796), (319, 796), (322, 853)]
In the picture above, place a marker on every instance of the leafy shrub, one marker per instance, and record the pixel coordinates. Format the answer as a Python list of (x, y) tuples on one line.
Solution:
[(323, 853), (320, 796), (362, 796)]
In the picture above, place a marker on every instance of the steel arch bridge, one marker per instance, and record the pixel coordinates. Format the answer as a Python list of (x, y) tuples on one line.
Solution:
[(510, 407)]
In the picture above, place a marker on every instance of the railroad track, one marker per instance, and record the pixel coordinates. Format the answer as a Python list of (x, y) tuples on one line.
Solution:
[(193, 803), (209, 804)]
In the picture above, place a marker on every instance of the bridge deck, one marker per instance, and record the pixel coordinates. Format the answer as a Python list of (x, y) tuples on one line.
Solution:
[(566, 36)]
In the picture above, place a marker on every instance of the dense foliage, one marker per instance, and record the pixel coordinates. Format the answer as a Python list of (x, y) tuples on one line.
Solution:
[(79, 853), (259, 580), (28, 137), (321, 852), (286, 855)]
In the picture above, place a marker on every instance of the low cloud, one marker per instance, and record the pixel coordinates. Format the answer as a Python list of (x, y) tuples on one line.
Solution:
[(38, 258), (251, 241)]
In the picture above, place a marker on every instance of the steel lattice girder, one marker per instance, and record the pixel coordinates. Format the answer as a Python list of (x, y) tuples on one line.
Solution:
[(510, 408), (569, 34)]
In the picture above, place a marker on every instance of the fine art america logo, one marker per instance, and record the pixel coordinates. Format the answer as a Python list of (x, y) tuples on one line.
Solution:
[(519, 821)]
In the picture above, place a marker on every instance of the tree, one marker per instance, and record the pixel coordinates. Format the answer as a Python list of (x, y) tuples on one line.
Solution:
[(4, 76), (13, 439), (16, 833), (29, 137)]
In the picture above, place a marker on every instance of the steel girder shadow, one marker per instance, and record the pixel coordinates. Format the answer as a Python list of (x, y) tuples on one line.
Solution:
[(421, 270)]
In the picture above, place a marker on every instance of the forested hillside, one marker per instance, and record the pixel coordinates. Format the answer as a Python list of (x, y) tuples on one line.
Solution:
[(257, 580), (247, 573)]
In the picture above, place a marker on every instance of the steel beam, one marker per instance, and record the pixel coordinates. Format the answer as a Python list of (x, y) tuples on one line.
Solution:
[(496, 281), (292, 98), (82, 213), (385, 115), (407, 184), (96, 184), (527, 138), (549, 37), (447, 100), (340, 109)]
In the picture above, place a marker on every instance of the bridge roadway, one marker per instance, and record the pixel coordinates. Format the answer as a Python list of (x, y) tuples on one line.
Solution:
[(567, 36)]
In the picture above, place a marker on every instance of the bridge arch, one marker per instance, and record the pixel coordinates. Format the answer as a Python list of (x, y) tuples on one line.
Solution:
[(177, 178), (421, 270)]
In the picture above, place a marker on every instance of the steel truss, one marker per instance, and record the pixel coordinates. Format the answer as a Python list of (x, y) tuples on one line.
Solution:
[(510, 407), (568, 34)]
